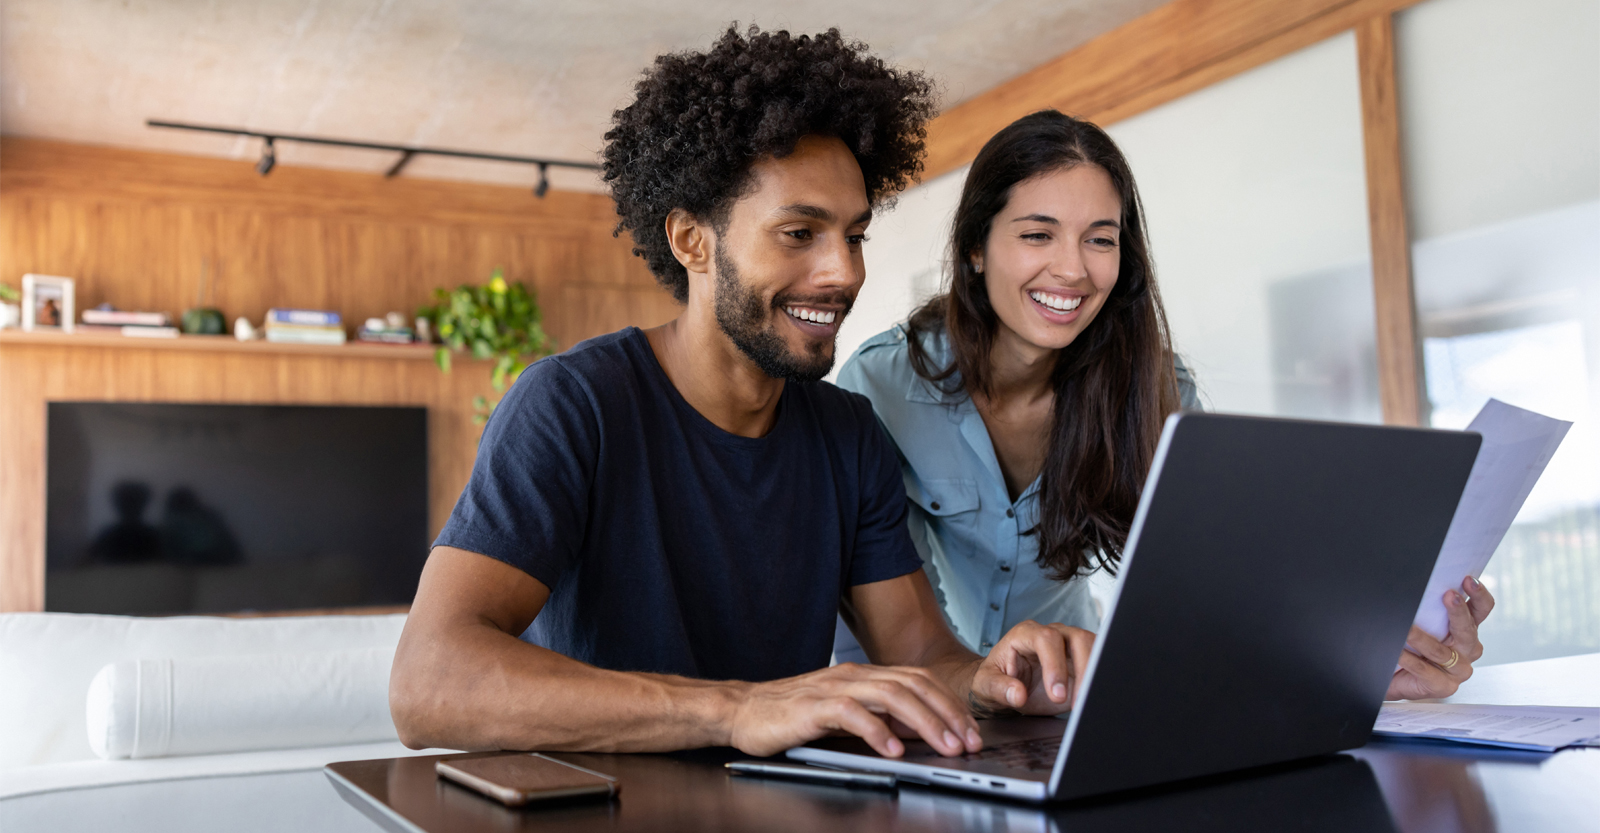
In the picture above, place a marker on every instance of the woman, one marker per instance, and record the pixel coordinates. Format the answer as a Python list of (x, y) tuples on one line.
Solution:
[(1027, 401)]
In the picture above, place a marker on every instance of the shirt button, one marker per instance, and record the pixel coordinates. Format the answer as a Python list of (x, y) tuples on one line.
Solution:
[(1010, 514), (986, 645), (934, 506), (993, 606), (1005, 568)]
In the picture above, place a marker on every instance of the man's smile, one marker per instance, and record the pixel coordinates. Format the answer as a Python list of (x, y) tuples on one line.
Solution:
[(816, 322)]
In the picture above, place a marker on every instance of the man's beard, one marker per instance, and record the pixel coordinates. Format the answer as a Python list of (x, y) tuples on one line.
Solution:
[(740, 314)]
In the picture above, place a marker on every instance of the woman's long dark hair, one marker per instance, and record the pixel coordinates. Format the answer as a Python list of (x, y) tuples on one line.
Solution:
[(1114, 385)]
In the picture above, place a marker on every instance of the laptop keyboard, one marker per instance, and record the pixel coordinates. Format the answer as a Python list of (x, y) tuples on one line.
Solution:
[(1038, 755)]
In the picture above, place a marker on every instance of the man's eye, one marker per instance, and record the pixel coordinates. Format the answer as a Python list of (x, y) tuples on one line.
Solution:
[(857, 239), (800, 234)]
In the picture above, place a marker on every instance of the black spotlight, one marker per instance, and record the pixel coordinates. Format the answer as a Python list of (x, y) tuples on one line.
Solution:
[(544, 181), (269, 158)]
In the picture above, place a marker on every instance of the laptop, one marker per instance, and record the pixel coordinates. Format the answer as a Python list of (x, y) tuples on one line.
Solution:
[(1269, 582)]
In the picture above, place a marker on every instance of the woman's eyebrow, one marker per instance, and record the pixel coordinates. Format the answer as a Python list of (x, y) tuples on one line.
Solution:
[(1045, 218)]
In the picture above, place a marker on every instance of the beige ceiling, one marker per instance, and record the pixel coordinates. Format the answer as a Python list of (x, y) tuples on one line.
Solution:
[(538, 77)]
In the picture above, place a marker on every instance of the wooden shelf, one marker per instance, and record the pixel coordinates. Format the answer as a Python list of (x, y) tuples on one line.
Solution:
[(223, 344)]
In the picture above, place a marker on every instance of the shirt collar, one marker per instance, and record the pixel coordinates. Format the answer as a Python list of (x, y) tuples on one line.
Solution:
[(937, 349), (965, 412)]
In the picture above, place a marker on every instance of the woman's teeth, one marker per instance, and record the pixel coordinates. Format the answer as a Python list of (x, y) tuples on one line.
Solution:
[(812, 315), (1056, 302)]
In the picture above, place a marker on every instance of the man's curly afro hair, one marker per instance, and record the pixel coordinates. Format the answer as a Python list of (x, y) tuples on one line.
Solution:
[(702, 119)]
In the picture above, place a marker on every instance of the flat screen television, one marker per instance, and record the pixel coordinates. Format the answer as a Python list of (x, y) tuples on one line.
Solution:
[(155, 508)]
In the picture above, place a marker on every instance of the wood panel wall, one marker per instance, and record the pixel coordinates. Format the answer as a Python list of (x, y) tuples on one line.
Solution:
[(134, 229), (1400, 369), (1180, 47)]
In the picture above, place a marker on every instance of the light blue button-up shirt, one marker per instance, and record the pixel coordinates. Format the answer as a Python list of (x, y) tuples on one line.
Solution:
[(965, 525)]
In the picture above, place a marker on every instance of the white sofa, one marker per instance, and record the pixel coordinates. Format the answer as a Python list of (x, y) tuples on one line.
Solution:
[(51, 779)]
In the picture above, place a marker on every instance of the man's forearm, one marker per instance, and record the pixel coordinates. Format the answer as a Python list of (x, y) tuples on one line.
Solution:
[(472, 686)]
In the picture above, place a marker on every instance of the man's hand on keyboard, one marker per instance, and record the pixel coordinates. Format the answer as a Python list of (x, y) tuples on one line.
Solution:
[(1034, 669)]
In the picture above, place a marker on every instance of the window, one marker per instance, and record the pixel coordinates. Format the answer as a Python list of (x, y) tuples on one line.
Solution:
[(1500, 125), (1255, 197)]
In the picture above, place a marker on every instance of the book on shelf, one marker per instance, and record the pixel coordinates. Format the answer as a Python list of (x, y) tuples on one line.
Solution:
[(130, 330), (150, 332), (302, 328), (125, 318), (303, 317), (305, 335)]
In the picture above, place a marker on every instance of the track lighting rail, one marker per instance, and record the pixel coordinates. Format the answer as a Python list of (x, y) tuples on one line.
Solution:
[(269, 153)]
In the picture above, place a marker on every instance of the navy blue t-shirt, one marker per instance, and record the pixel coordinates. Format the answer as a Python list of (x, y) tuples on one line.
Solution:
[(668, 544)]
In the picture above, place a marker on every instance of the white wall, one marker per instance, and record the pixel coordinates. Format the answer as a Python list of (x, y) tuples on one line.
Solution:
[(1499, 108), (1248, 185), (905, 254)]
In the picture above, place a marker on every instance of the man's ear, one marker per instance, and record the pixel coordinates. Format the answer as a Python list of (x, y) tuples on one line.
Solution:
[(691, 240)]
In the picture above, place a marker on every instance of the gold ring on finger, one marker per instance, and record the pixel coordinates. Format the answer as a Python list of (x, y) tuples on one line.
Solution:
[(1454, 658)]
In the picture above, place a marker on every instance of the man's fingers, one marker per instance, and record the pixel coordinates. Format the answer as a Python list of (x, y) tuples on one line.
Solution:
[(1046, 648), (1003, 690), (846, 715), (1479, 600), (938, 697), (1080, 643), (1035, 659), (942, 700), (891, 697), (933, 694)]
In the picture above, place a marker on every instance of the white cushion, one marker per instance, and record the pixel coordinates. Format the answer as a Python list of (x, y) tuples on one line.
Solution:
[(47, 661), (76, 776), (153, 708)]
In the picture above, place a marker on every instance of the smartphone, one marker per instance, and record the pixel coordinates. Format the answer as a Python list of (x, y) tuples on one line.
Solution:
[(521, 778)]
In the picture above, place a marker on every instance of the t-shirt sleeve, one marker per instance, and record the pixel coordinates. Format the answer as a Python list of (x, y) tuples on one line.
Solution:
[(883, 548), (527, 501)]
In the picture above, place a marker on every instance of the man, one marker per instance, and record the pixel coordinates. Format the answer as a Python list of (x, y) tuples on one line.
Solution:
[(672, 519)]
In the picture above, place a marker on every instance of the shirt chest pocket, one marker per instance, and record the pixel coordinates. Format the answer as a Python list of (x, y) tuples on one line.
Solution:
[(951, 504)]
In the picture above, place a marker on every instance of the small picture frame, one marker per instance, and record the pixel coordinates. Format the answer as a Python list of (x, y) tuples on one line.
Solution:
[(47, 303)]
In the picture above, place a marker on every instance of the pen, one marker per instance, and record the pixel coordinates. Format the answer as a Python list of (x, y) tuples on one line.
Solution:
[(843, 778)]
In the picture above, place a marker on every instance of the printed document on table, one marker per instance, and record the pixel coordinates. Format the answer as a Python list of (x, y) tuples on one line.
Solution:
[(1541, 728), (1517, 445)]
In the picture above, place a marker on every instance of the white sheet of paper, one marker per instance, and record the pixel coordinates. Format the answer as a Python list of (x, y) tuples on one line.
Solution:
[(1517, 445), (1544, 728)]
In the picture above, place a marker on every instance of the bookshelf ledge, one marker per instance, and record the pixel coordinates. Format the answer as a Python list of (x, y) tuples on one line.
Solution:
[(221, 344)]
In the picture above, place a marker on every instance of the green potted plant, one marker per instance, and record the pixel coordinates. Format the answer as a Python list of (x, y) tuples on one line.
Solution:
[(498, 322)]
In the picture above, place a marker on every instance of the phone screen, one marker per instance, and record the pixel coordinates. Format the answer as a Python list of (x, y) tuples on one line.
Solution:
[(519, 778)]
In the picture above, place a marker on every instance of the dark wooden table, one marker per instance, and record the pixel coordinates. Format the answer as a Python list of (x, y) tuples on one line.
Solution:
[(1411, 786)]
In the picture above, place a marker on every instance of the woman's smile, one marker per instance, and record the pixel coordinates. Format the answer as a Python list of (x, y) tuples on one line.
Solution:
[(1055, 306)]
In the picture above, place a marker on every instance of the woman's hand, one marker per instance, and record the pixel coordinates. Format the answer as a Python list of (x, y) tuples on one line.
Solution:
[(1432, 667), (1034, 669)]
